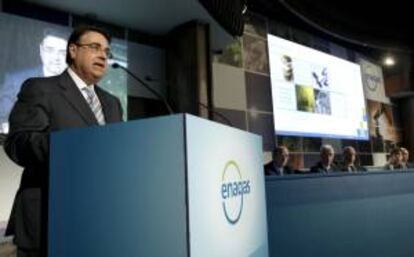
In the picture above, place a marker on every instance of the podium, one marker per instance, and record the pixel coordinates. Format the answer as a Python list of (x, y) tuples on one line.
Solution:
[(172, 186)]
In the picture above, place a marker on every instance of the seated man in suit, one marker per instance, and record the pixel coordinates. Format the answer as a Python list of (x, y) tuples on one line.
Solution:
[(326, 164), (395, 161), (278, 166), (349, 164), (405, 158), (44, 105)]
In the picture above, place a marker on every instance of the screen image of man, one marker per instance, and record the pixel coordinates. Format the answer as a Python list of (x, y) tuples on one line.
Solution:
[(44, 105), (52, 53)]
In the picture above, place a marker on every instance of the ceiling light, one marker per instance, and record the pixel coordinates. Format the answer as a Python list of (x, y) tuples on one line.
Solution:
[(389, 61)]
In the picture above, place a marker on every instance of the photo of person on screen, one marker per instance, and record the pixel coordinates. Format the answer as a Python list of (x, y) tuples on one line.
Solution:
[(322, 102), (52, 53), (287, 67)]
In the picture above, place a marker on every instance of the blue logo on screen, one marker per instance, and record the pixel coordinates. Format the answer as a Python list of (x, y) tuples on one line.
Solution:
[(233, 189)]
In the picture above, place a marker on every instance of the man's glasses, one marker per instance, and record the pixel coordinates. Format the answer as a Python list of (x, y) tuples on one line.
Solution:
[(97, 48)]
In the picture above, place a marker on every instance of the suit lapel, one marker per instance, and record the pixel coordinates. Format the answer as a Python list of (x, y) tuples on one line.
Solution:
[(76, 99), (108, 110), (104, 104)]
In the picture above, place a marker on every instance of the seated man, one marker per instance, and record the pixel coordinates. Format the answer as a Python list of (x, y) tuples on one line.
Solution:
[(405, 159), (349, 164), (395, 160), (278, 166), (326, 164)]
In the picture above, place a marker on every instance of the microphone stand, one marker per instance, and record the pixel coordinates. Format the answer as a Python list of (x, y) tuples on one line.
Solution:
[(158, 95)]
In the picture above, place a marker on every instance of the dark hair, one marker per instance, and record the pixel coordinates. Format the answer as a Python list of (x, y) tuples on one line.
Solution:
[(347, 149), (279, 150), (78, 32)]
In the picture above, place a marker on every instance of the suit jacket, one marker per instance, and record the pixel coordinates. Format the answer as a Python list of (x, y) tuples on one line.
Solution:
[(389, 166), (318, 168), (44, 105), (12, 84), (270, 170), (356, 168)]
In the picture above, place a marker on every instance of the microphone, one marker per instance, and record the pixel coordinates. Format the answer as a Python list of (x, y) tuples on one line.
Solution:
[(145, 85)]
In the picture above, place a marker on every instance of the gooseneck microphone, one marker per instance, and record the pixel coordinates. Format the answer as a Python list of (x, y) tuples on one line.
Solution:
[(158, 95)]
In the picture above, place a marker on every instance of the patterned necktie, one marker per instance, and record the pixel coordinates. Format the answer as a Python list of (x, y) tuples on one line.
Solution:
[(95, 105)]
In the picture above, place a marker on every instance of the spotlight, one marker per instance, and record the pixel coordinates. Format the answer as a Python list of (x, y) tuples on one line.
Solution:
[(389, 61)]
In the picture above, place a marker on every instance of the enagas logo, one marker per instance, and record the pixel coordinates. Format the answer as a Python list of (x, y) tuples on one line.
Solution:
[(373, 81), (233, 190)]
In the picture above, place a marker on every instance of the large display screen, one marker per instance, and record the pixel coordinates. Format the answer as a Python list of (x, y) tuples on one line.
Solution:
[(315, 94)]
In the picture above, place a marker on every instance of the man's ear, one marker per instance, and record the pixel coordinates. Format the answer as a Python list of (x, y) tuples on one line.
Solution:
[(72, 51)]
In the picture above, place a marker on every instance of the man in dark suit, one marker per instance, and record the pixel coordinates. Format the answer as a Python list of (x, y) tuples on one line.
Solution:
[(349, 163), (44, 105), (278, 166), (326, 164), (406, 158), (395, 161)]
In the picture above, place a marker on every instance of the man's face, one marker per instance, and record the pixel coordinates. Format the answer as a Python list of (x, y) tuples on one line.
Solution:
[(396, 157), (282, 157), (349, 155), (327, 156), (405, 155), (53, 54), (89, 57), (287, 68)]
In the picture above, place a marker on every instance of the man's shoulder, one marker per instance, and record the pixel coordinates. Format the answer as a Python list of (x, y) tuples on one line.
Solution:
[(269, 169), (40, 84), (335, 166), (317, 168), (37, 80), (268, 165)]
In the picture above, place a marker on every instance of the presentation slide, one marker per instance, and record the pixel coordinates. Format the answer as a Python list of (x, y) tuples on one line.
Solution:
[(315, 94)]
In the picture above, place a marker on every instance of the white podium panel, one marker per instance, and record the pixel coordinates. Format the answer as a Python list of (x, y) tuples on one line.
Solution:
[(227, 211)]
